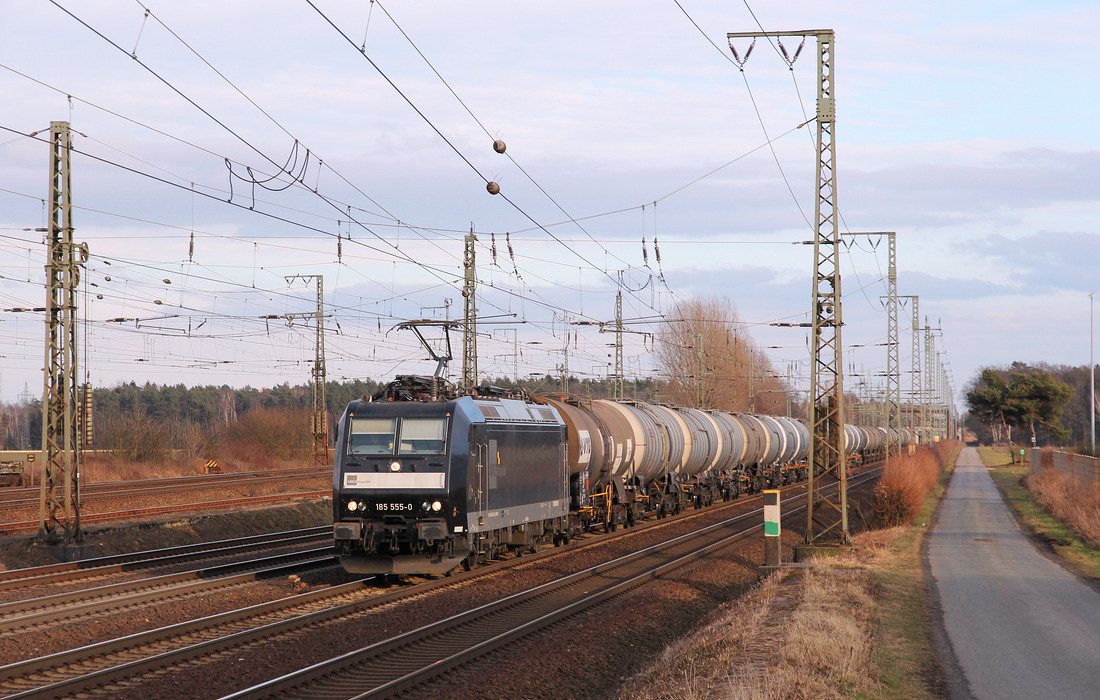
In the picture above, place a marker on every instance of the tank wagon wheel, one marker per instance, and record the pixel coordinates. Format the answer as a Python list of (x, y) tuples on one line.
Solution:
[(470, 562)]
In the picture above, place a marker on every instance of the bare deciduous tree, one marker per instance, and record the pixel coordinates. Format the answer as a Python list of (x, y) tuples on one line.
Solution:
[(709, 360)]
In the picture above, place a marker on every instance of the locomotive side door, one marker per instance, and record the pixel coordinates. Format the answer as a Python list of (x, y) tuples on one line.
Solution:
[(478, 479)]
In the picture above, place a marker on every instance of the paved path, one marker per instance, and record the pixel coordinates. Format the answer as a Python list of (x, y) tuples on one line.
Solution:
[(1020, 625)]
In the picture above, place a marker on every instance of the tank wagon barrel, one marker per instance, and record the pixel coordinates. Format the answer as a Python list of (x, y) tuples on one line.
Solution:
[(426, 479)]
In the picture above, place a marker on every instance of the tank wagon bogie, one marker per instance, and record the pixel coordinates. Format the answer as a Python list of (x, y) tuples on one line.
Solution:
[(427, 480)]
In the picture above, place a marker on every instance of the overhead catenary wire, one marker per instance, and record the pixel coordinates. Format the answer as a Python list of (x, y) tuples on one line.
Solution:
[(282, 169), (526, 254)]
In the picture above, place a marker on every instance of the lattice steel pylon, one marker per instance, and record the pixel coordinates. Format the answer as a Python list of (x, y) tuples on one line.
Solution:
[(914, 396), (893, 364), (319, 418), (59, 494), (617, 380), (930, 360), (918, 383), (469, 328), (893, 372), (827, 455)]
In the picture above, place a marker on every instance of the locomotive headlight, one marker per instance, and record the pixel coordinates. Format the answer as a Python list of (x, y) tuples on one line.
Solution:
[(395, 466), (436, 505), (352, 505)]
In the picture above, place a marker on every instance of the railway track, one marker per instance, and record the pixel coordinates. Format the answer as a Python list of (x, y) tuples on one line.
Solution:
[(24, 615), (30, 526), (169, 556), (100, 501), (28, 495), (405, 661), (114, 661)]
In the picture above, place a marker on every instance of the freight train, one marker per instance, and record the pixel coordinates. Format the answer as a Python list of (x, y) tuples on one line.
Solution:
[(426, 480)]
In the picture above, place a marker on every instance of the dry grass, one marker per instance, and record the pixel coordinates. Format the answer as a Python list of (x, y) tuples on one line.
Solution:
[(105, 467), (140, 447), (800, 638), (692, 667), (1075, 503), (905, 484)]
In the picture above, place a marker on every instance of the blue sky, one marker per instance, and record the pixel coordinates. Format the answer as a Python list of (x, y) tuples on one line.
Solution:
[(967, 129)]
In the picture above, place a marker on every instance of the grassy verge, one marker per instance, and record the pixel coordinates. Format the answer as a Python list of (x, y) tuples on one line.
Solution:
[(1063, 541), (853, 626)]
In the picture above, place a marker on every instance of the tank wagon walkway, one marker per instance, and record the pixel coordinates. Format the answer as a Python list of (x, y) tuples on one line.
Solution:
[(1019, 625)]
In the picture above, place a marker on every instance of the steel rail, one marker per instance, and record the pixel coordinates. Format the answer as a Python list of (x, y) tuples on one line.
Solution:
[(410, 659), (196, 479), (116, 490), (78, 659), (138, 513), (30, 612), (116, 563)]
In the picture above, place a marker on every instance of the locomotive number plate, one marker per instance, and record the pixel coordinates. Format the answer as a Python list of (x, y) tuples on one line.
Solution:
[(394, 507)]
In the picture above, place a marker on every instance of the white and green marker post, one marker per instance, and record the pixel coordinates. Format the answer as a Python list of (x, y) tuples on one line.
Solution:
[(771, 528)]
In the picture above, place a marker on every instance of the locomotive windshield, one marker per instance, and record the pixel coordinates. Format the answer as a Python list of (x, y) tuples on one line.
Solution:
[(378, 436), (372, 436), (422, 436)]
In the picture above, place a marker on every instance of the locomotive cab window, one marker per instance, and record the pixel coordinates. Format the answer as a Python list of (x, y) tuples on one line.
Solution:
[(423, 436), (372, 436)]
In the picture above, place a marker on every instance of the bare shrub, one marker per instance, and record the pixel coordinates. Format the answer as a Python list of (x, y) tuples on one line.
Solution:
[(194, 440), (267, 435), (135, 436), (906, 481), (903, 486), (1075, 503)]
